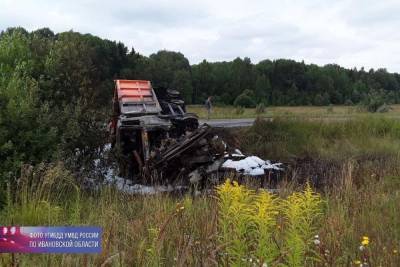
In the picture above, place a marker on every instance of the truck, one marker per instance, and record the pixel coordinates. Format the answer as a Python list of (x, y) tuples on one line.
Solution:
[(154, 138)]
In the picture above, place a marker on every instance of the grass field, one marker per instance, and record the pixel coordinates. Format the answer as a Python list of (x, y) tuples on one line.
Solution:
[(229, 112), (350, 218)]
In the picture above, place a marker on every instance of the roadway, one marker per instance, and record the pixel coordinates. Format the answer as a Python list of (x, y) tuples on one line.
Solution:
[(229, 123)]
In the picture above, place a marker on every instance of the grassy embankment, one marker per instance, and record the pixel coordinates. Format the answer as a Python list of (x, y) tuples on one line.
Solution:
[(233, 229), (230, 112)]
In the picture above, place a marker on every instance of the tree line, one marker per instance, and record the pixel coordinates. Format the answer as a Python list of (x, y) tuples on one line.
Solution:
[(56, 89)]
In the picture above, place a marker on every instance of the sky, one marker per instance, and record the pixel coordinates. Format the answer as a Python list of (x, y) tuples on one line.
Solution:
[(358, 33)]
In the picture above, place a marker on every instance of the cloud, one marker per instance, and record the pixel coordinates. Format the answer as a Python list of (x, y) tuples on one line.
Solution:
[(350, 33)]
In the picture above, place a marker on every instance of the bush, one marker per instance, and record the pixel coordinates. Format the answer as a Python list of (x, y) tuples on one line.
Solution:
[(239, 110), (384, 108), (374, 100), (260, 108), (321, 100), (348, 102), (245, 100)]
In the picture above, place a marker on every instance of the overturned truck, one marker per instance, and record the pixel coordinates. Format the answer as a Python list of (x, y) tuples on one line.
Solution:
[(157, 141)]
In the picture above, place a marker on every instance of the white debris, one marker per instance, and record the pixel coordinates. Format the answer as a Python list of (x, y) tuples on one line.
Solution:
[(238, 154), (257, 159), (272, 166), (225, 146), (127, 186), (256, 172), (230, 164), (252, 165), (107, 147), (251, 162), (194, 176)]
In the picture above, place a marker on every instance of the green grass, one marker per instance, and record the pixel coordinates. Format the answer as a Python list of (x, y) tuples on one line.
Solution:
[(360, 156), (283, 138), (328, 112), (137, 230)]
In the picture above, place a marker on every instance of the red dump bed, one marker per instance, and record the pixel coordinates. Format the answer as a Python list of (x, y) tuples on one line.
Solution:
[(134, 90), (136, 96)]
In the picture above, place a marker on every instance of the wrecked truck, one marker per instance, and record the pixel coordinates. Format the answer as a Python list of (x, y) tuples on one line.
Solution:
[(157, 141), (153, 134)]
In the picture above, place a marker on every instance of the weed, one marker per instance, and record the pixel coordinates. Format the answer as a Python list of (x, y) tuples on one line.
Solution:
[(248, 225)]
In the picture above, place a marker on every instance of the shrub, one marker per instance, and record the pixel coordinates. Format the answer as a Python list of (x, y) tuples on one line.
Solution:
[(348, 102), (321, 100), (384, 108), (374, 100), (245, 100), (239, 110), (260, 108)]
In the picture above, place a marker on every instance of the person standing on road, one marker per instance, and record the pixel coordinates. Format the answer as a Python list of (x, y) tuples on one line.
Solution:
[(208, 107)]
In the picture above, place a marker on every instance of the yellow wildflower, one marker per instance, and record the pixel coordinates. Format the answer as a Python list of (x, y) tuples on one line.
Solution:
[(357, 262), (365, 241), (395, 251)]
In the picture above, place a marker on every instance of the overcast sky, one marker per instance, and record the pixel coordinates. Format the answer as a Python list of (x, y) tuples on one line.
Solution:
[(350, 33)]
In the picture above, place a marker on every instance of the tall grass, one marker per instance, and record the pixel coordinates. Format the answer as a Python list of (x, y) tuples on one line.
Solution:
[(138, 230), (321, 151), (236, 225), (241, 227), (282, 138)]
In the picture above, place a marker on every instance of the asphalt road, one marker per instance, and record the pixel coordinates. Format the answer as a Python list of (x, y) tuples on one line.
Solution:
[(229, 123)]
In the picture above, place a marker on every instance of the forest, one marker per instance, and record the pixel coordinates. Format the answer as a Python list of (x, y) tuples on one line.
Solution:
[(56, 89)]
